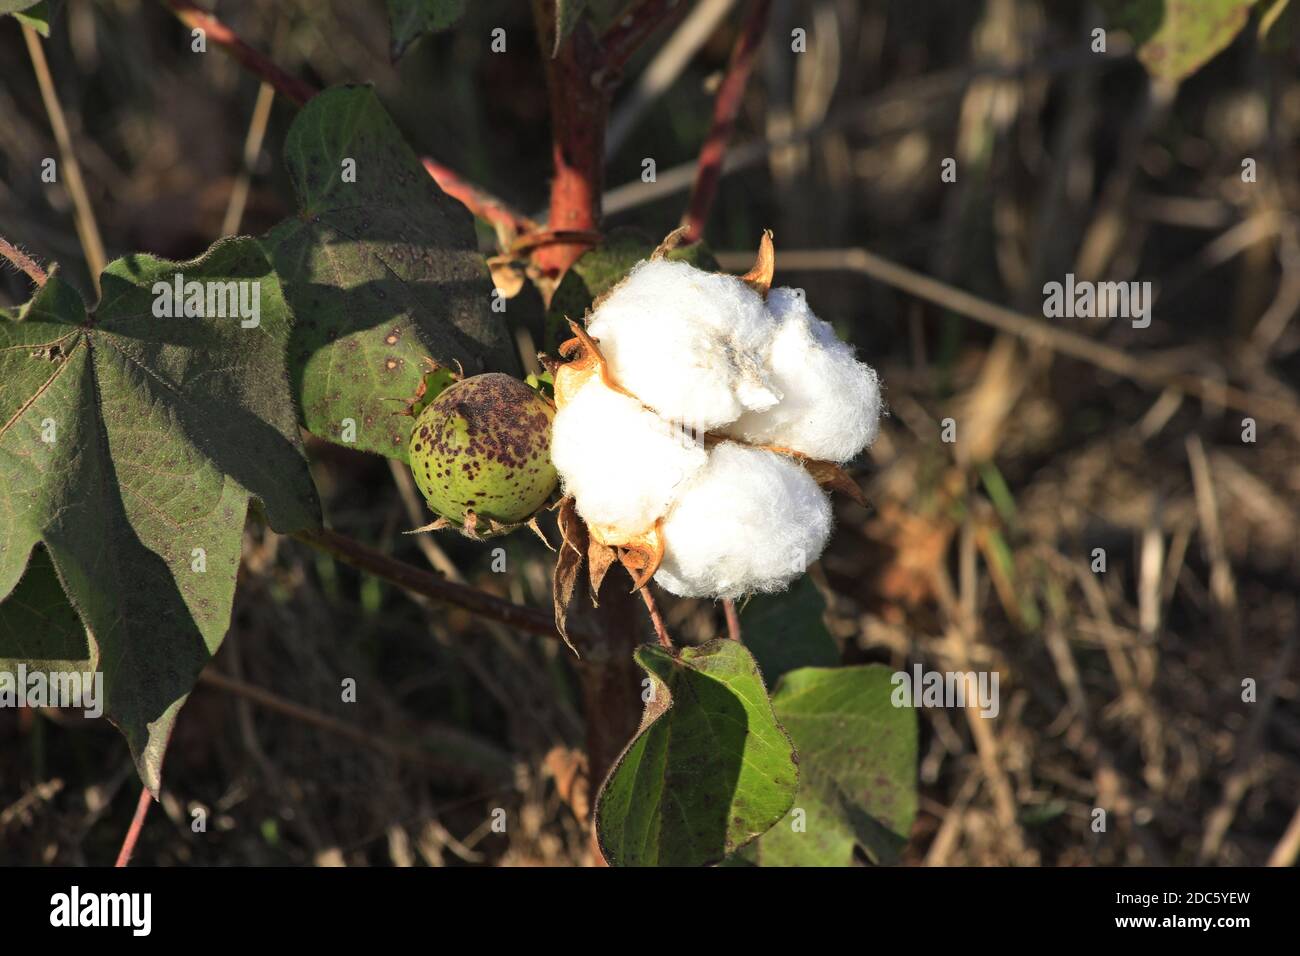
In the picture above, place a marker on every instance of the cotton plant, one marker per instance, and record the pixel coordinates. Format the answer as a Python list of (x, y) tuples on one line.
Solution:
[(699, 417)]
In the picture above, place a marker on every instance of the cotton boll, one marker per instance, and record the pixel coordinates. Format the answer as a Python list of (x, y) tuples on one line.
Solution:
[(751, 520), (830, 404), (688, 343), (621, 462)]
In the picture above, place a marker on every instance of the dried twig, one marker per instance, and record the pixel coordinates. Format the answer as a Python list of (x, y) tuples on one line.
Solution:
[(1139, 368), (87, 228), (656, 618)]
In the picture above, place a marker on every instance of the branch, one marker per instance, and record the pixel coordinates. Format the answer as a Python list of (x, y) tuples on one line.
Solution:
[(725, 108), (23, 262), (417, 581), (733, 619), (579, 104), (480, 202), (632, 28), (196, 18), (133, 832)]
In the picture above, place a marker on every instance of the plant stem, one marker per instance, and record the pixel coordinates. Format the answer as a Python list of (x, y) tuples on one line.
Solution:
[(133, 832), (23, 262), (478, 201), (725, 108), (579, 111), (196, 18), (733, 619), (418, 581), (656, 618)]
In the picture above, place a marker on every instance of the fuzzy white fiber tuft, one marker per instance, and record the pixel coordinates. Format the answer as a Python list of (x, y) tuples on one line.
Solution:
[(690, 344), (830, 402), (622, 463), (751, 520)]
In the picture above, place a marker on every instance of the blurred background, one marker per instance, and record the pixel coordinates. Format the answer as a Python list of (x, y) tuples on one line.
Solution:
[(1120, 689)]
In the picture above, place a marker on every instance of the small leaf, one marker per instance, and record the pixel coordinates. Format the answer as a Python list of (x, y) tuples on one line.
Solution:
[(32, 13), (410, 19), (857, 768), (710, 769), (785, 631), (567, 15), (382, 273), (127, 441), (1177, 37)]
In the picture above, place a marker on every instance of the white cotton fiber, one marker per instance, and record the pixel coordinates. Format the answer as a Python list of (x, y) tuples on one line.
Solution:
[(830, 402), (690, 344), (621, 462), (751, 520)]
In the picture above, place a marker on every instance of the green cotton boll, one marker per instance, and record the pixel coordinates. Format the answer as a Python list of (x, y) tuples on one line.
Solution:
[(480, 453)]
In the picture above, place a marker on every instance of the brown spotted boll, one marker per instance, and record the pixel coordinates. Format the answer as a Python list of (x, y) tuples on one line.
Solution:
[(480, 452)]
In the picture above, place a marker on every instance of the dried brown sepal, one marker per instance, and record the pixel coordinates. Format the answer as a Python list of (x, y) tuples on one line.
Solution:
[(599, 558), (585, 360), (537, 530), (508, 275), (568, 564), (642, 555), (832, 476), (470, 525), (671, 241), (437, 525), (759, 278)]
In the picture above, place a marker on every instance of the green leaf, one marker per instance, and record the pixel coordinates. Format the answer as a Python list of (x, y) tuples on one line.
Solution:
[(411, 19), (32, 13), (1176, 38), (382, 274), (38, 627), (709, 770), (603, 267), (785, 631), (857, 769), (567, 15), (129, 440)]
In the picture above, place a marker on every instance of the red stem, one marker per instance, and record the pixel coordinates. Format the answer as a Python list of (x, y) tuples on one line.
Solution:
[(579, 111), (195, 17), (733, 619), (23, 261), (725, 108), (137, 824), (479, 201), (656, 618)]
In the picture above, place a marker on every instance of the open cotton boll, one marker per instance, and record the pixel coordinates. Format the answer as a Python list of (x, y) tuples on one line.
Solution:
[(830, 402), (621, 462), (688, 343), (751, 520)]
